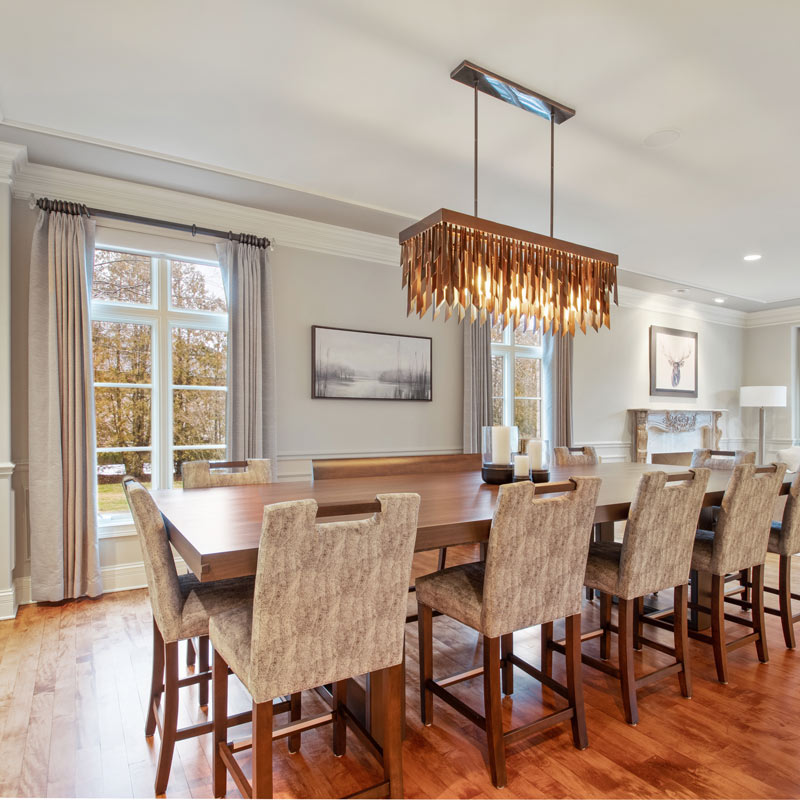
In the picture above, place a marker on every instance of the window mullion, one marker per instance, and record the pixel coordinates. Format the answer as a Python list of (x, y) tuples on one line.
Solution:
[(164, 389)]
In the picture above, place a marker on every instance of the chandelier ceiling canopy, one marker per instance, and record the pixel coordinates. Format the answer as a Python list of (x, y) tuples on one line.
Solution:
[(480, 269)]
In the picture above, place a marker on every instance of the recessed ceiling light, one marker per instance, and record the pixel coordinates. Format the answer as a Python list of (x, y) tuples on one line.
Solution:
[(662, 138), (719, 299), (753, 257), (680, 291)]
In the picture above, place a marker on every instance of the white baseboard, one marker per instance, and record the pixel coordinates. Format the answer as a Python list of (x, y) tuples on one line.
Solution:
[(116, 578), (8, 603)]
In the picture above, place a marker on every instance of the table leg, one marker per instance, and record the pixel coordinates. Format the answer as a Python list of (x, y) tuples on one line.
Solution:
[(701, 593)]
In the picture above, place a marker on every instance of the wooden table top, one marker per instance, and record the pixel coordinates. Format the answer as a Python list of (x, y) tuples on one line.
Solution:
[(217, 530)]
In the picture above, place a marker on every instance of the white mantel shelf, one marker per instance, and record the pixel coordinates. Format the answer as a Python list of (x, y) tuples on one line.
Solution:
[(673, 421)]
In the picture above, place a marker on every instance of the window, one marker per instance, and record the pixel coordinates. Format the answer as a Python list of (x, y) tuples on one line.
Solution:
[(159, 337), (517, 380)]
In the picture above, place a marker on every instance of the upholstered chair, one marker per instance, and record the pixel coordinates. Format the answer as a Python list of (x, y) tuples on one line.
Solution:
[(181, 607), (575, 456), (655, 554), (329, 604), (205, 474), (784, 541), (533, 574), (722, 459), (738, 542)]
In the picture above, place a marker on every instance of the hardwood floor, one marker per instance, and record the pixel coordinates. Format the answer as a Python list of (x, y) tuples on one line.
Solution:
[(74, 684)]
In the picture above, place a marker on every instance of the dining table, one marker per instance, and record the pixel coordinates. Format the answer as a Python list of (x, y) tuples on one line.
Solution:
[(217, 530)]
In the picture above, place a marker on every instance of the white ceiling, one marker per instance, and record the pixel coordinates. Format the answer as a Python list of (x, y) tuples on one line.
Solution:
[(351, 100)]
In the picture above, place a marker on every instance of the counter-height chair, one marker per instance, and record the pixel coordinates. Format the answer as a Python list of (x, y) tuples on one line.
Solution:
[(738, 542), (330, 468), (784, 541), (575, 456), (533, 574), (207, 474), (654, 555), (181, 608), (329, 604), (722, 459)]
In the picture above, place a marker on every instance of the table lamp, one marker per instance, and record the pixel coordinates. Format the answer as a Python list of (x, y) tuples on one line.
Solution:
[(762, 397)]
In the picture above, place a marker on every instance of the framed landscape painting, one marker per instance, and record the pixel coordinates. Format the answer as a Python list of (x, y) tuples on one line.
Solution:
[(673, 362), (362, 365)]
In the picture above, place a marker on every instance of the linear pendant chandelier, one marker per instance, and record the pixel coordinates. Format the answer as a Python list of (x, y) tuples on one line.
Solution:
[(482, 270)]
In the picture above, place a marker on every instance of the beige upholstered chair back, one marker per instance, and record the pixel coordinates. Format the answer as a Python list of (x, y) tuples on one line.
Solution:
[(159, 564), (330, 598), (745, 519), (575, 457), (659, 534), (710, 460), (536, 559), (200, 475), (789, 541)]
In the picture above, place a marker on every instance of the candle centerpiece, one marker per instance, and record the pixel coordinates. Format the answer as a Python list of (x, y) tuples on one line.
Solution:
[(500, 444), (539, 460)]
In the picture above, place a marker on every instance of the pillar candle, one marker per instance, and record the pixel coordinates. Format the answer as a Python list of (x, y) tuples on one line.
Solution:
[(521, 466), (501, 444), (535, 453)]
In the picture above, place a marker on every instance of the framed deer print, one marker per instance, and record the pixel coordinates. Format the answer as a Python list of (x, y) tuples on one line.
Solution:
[(673, 362)]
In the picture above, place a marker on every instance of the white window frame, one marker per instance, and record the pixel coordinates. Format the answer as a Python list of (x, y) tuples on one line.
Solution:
[(162, 319), (509, 352)]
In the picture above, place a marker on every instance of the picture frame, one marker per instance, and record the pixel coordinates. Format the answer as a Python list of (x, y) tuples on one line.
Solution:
[(673, 362), (348, 364)]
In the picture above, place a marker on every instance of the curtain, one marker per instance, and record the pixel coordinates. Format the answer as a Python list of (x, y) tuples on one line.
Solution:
[(477, 383), (61, 426), (558, 398), (251, 410)]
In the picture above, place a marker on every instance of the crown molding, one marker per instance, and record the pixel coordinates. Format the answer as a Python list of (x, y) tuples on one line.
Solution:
[(13, 159), (636, 298), (148, 201), (774, 316)]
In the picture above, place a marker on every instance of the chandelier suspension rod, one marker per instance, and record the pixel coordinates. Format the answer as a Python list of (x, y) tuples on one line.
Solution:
[(475, 154), (552, 165)]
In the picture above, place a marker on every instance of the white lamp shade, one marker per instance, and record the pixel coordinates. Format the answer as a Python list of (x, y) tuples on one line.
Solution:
[(763, 396)]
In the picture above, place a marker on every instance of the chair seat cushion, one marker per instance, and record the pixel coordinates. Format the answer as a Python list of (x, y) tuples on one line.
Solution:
[(602, 567), (456, 592), (201, 600), (703, 550), (230, 632)]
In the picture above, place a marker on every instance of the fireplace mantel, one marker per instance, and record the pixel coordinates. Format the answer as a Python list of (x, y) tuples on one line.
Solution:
[(674, 420)]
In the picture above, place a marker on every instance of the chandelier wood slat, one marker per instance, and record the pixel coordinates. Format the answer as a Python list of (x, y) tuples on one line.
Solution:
[(480, 269)]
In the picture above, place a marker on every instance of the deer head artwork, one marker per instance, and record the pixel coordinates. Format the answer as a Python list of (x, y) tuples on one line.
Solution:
[(676, 364)]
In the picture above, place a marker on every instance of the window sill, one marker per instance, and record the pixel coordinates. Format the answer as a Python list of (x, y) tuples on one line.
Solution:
[(113, 529)]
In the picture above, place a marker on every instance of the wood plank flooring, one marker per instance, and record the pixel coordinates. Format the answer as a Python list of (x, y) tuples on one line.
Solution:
[(74, 683)]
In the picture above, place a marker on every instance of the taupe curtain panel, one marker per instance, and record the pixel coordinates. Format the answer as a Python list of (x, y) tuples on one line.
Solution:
[(558, 400), (61, 425), (477, 383), (251, 413)]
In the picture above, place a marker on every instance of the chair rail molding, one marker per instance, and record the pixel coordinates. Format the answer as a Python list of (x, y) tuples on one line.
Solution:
[(149, 201)]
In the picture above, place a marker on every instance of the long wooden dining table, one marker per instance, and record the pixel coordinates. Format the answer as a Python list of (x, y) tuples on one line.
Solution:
[(217, 530)]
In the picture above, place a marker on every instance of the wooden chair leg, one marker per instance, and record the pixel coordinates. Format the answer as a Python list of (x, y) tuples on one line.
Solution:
[(785, 599), (339, 724), (507, 649), (681, 634), (575, 682), (605, 622), (425, 628), (191, 653), (219, 681), (493, 710), (638, 625), (202, 689), (759, 623), (442, 557), (295, 710), (156, 679), (547, 652), (170, 722), (262, 749), (718, 627), (745, 578), (395, 689), (626, 673)]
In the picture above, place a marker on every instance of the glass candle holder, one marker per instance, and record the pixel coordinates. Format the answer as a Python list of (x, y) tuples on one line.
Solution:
[(539, 460), (500, 443)]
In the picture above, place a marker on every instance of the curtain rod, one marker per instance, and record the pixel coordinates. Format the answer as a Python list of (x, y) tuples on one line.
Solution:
[(77, 208)]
